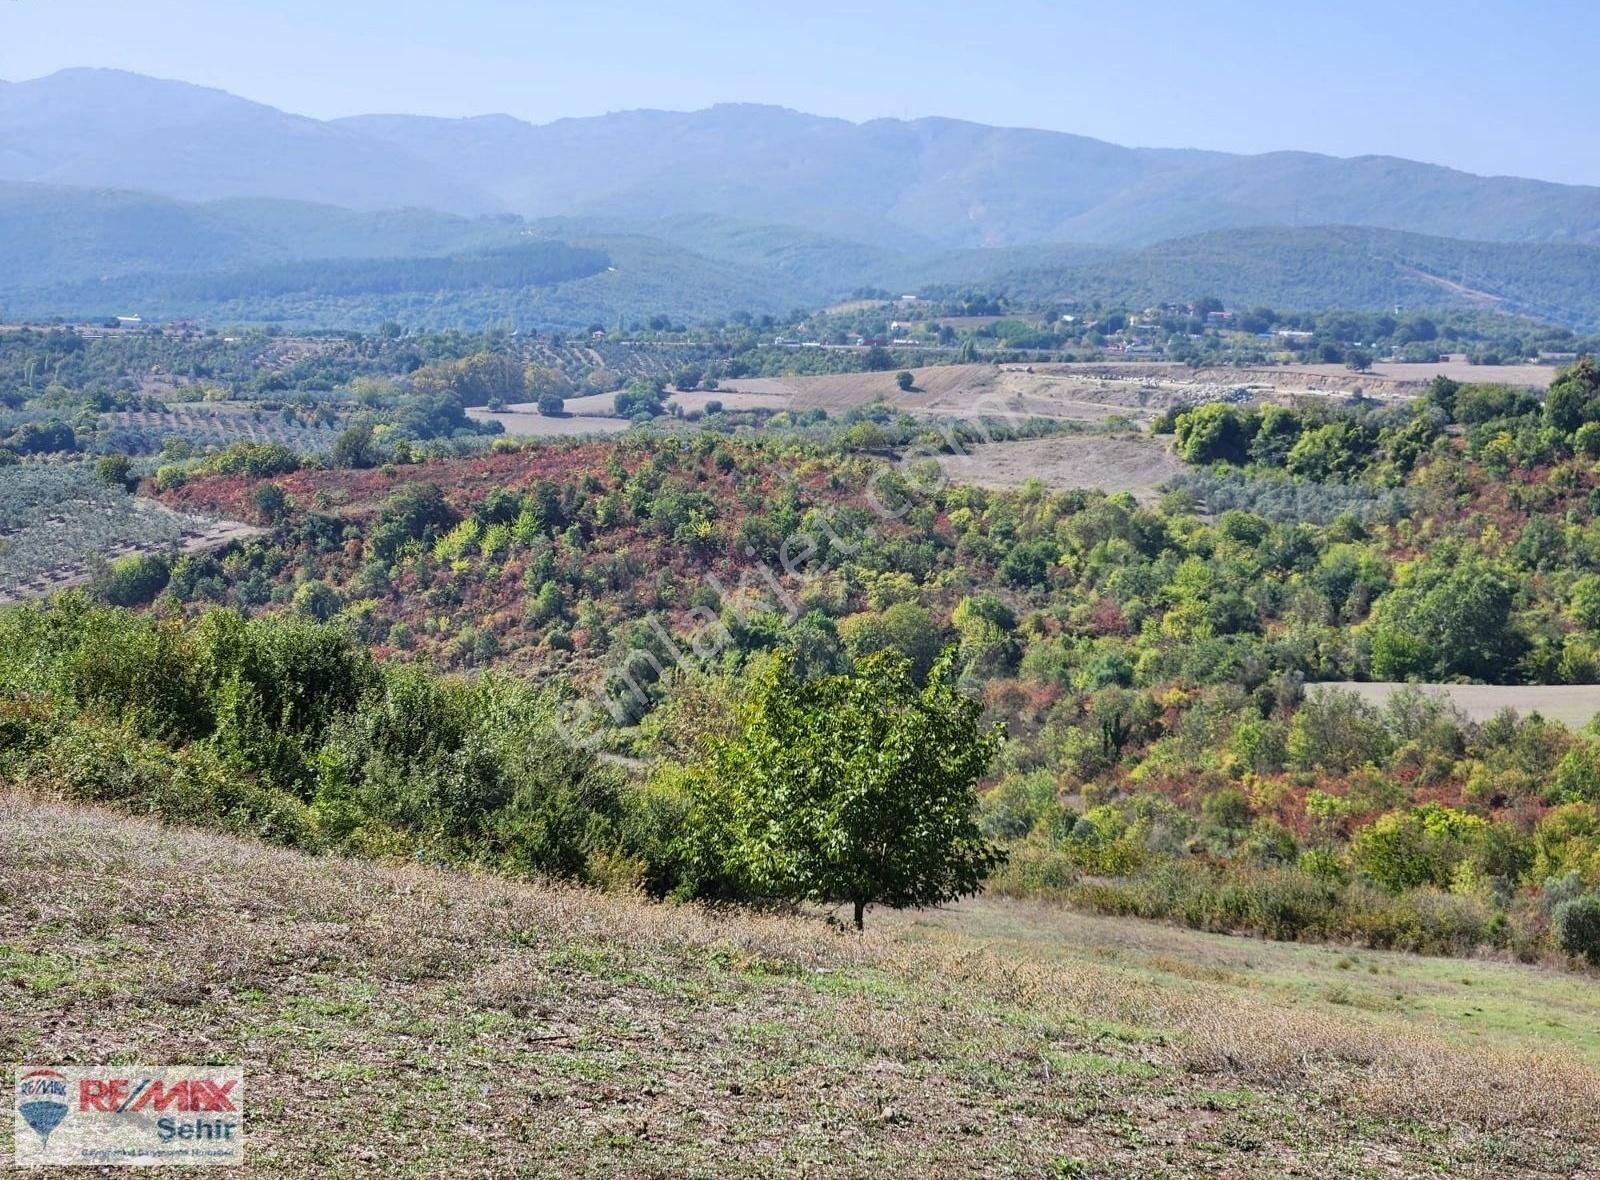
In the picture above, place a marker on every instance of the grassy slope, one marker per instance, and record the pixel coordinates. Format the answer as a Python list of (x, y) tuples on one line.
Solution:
[(54, 236), (406, 1022)]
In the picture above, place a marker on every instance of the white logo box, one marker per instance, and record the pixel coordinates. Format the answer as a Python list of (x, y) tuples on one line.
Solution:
[(128, 1115)]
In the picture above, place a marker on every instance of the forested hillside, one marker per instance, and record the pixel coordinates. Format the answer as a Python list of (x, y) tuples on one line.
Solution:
[(1170, 753)]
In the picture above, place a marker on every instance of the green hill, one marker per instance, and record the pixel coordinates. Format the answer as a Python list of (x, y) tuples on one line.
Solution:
[(1319, 269), (75, 254), (52, 235)]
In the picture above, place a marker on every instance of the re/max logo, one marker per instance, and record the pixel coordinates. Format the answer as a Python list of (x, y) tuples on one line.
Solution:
[(124, 1095)]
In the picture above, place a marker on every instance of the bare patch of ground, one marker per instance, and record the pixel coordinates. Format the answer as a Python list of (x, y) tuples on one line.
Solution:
[(1574, 705), (525, 421), (730, 399), (1081, 392), (946, 389), (971, 391), (1137, 464)]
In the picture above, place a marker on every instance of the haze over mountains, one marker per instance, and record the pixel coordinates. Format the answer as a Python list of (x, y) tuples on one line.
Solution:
[(105, 175)]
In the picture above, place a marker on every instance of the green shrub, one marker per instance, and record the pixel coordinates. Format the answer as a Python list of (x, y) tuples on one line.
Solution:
[(114, 471), (1577, 926), (132, 581), (1036, 868)]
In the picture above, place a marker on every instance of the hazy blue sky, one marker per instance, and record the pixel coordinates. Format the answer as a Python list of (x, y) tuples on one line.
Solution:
[(1487, 85)]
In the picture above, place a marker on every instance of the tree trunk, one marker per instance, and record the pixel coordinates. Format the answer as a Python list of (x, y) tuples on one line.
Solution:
[(861, 911)]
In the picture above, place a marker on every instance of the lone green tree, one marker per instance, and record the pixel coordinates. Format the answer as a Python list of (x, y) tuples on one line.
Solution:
[(857, 789)]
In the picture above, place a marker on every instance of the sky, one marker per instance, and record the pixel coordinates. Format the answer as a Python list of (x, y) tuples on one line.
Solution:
[(1488, 86)]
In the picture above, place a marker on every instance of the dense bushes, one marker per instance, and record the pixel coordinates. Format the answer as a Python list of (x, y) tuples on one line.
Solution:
[(289, 730), (855, 787), (1577, 924)]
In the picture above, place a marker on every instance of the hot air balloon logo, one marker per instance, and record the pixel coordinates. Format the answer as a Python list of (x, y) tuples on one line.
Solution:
[(42, 1101)]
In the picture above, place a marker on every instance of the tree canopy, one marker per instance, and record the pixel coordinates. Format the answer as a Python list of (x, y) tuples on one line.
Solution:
[(857, 788)]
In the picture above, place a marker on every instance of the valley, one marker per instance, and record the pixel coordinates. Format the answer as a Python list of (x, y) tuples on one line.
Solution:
[(742, 642)]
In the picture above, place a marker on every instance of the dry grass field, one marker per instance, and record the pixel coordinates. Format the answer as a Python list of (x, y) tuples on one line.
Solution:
[(408, 1022), (1139, 464), (1085, 392), (969, 391), (1469, 1002), (1574, 705), (940, 389), (1529, 376), (525, 421)]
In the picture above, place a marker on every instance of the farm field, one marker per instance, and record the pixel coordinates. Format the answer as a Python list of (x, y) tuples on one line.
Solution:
[(1527, 376), (1136, 464), (1083, 392), (484, 1027), (52, 519), (525, 421), (222, 424), (1090, 392), (969, 391), (1574, 705)]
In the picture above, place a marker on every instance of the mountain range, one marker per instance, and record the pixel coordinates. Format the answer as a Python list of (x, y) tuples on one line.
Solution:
[(109, 181)]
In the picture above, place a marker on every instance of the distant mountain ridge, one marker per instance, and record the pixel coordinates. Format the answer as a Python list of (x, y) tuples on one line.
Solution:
[(907, 186), (108, 129), (120, 193)]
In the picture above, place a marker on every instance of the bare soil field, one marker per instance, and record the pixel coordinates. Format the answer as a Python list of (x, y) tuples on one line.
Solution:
[(970, 391), (1075, 392), (1085, 392), (731, 399), (941, 389), (1132, 464), (1531, 376), (526, 421), (1574, 705)]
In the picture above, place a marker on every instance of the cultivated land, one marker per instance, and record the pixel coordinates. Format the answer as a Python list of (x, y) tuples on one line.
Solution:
[(971, 391), (196, 536), (1138, 464), (54, 519), (1528, 376), (404, 1022), (526, 421), (1574, 705), (1090, 392), (1095, 392)]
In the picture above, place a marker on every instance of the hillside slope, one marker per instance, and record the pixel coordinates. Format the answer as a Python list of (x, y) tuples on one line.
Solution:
[(52, 235), (1326, 268), (108, 128), (461, 273), (408, 1022), (948, 183)]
